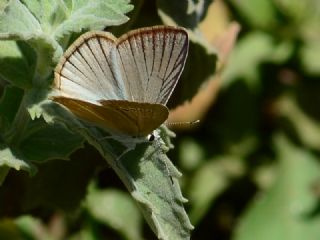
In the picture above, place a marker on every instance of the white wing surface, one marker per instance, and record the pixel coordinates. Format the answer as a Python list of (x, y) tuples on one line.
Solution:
[(152, 60), (142, 66), (89, 71)]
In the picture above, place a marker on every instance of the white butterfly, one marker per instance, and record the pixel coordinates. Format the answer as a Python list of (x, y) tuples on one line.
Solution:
[(122, 84)]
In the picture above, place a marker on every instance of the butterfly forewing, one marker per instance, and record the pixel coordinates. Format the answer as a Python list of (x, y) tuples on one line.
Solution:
[(152, 61)]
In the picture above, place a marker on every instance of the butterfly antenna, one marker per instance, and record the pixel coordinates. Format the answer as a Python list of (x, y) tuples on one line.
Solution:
[(183, 123)]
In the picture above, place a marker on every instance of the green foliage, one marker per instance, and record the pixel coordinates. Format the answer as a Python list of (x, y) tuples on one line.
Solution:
[(285, 211), (112, 207), (251, 170), (34, 130), (185, 13)]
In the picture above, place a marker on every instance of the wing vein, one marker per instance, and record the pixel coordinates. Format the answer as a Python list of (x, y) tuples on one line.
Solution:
[(92, 70), (135, 62), (98, 62), (170, 55), (162, 54), (145, 60), (109, 65)]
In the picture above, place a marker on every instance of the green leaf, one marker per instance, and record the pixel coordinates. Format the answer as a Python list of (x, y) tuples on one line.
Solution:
[(32, 228), (92, 15), (184, 13), (42, 141), (9, 105), (34, 99), (218, 173), (285, 210), (310, 53), (260, 13), (43, 23), (152, 181), (10, 158), (58, 184), (53, 19), (16, 66), (252, 50), (145, 170), (305, 127), (18, 22), (4, 170), (299, 11), (39, 141), (117, 210), (191, 154)]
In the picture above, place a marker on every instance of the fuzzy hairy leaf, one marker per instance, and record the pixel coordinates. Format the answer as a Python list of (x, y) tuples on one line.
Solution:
[(10, 158), (43, 23), (53, 19), (147, 173), (16, 63)]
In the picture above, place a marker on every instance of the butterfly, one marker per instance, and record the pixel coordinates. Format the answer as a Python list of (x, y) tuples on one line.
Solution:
[(122, 84)]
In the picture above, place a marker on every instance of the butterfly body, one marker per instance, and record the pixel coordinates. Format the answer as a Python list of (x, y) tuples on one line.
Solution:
[(122, 84)]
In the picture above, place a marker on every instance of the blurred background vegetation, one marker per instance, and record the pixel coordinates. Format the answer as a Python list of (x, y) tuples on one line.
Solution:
[(251, 168)]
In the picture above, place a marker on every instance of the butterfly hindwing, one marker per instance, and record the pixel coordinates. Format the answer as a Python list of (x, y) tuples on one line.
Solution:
[(144, 116), (131, 118)]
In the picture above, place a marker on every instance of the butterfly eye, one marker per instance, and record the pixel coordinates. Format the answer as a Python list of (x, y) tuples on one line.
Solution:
[(151, 137)]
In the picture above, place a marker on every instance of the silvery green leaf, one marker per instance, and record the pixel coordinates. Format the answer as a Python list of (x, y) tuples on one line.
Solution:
[(146, 171)]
